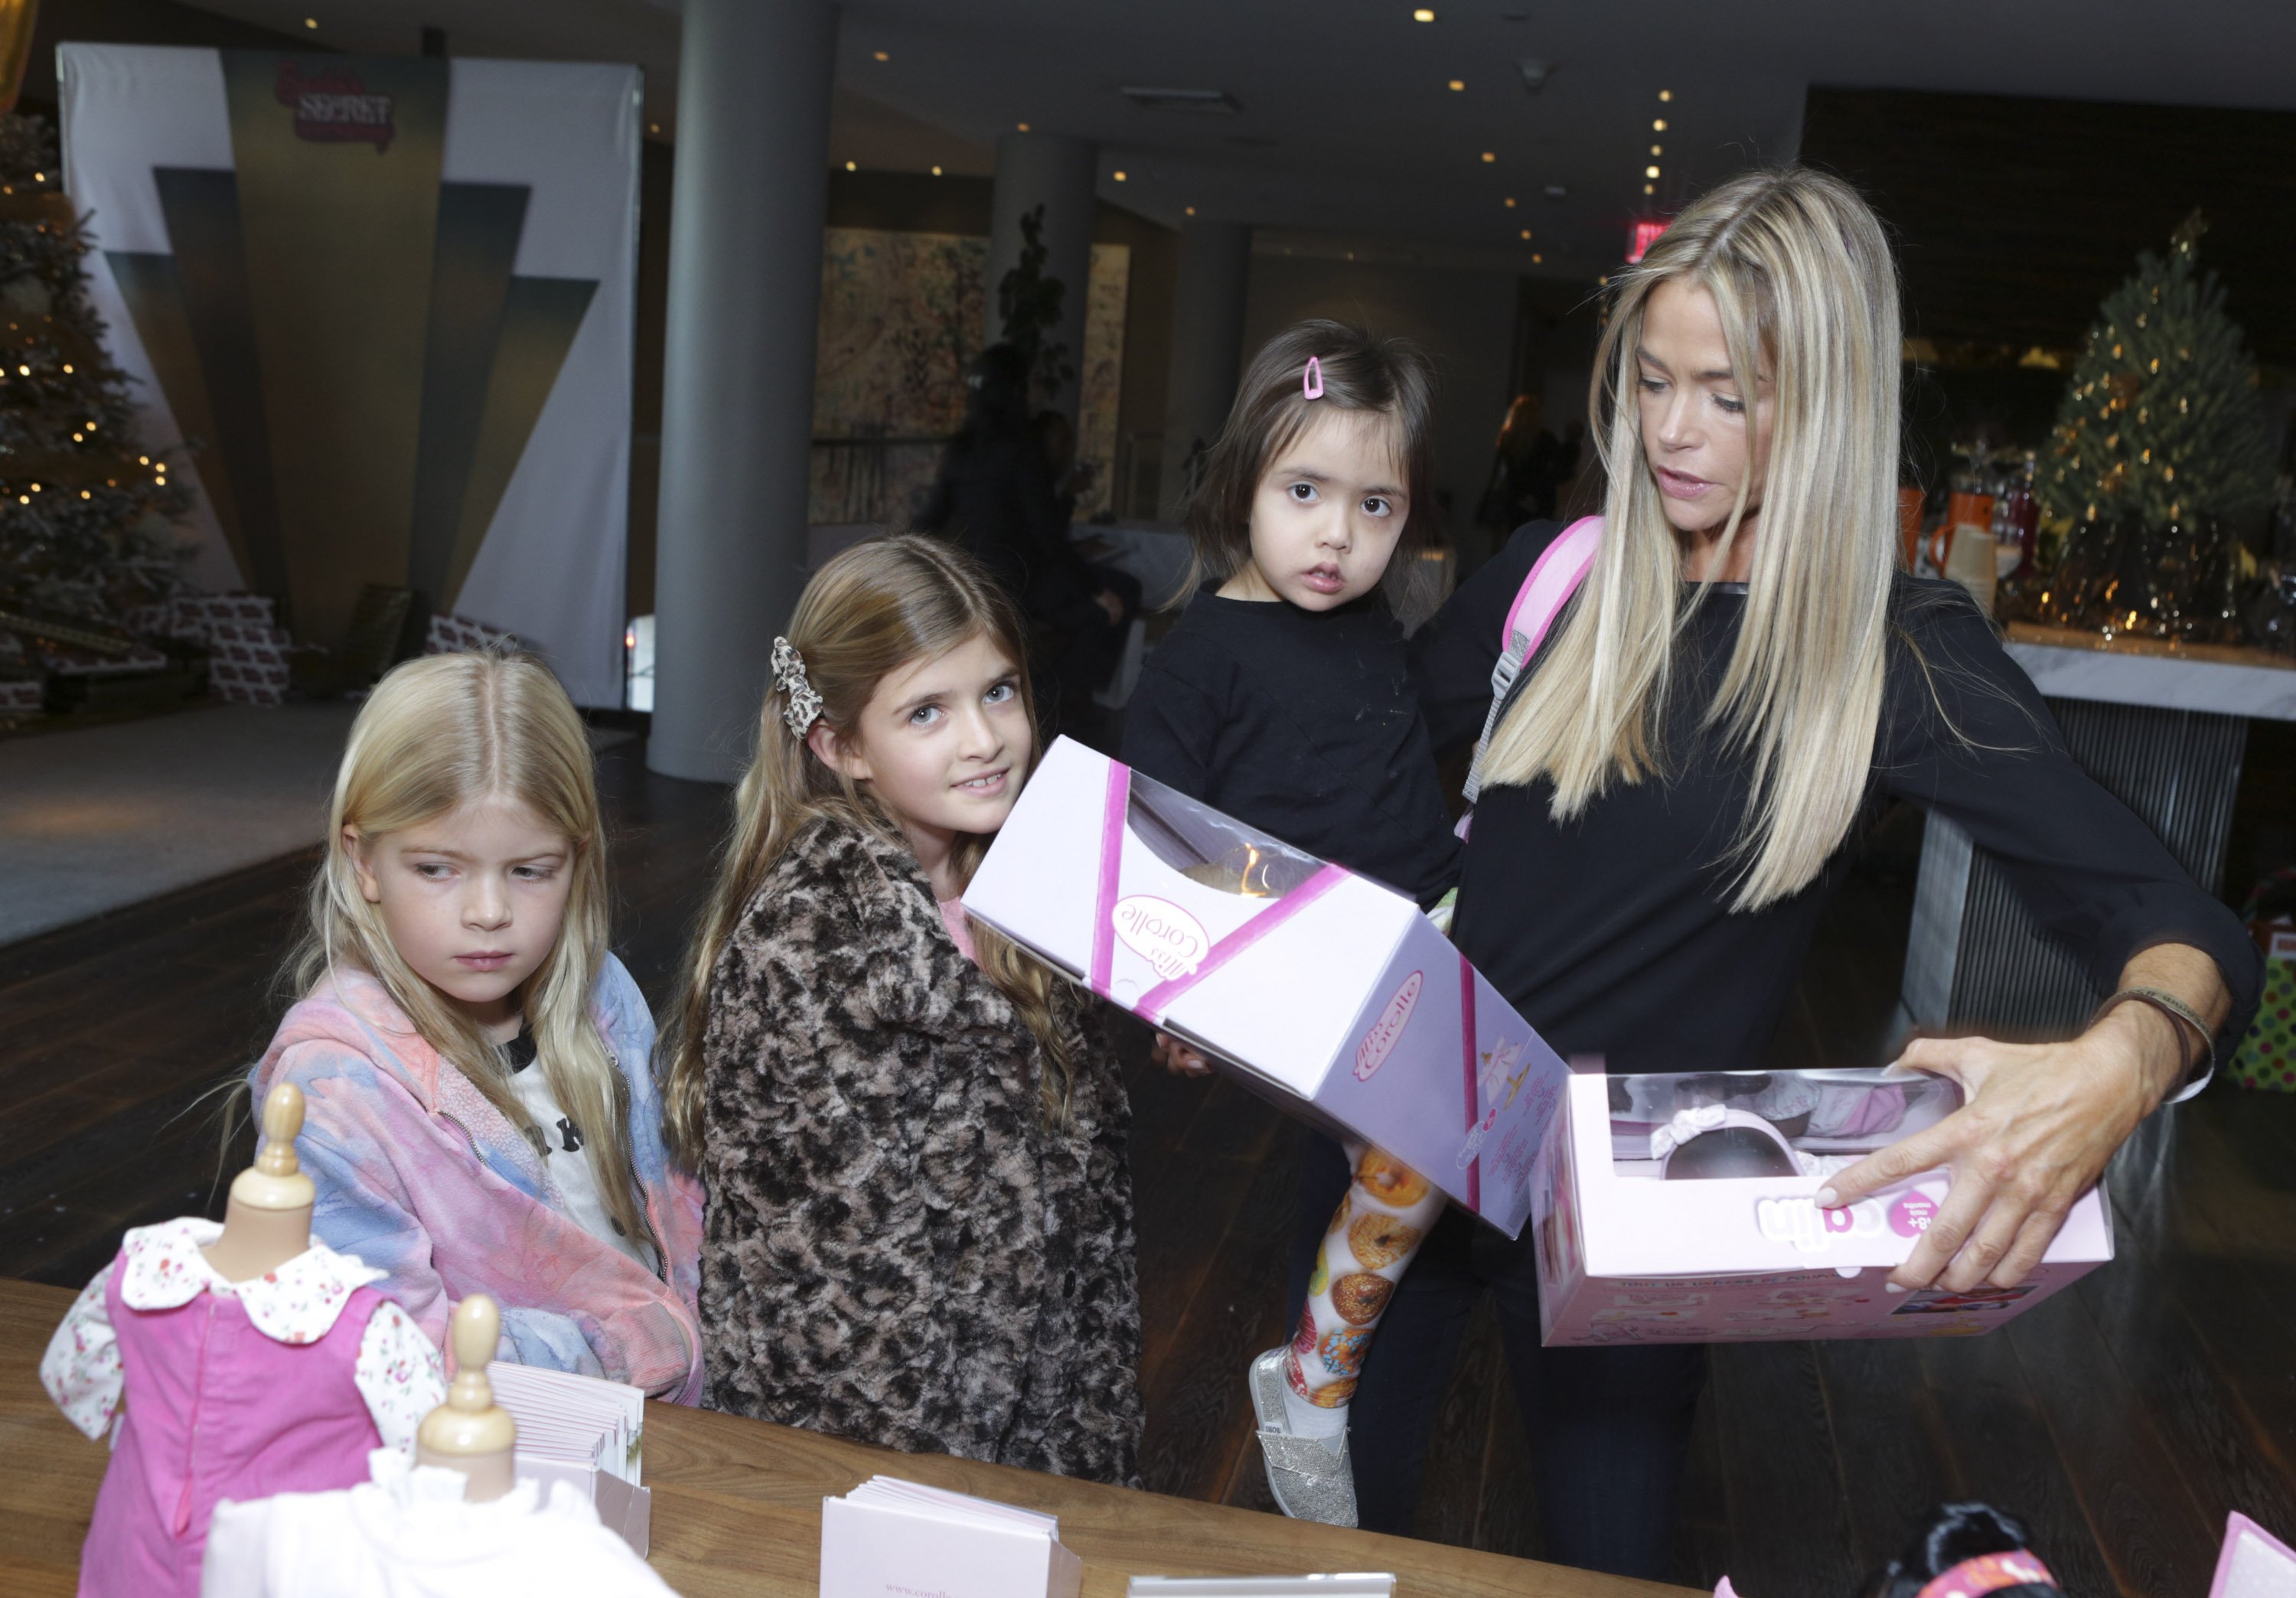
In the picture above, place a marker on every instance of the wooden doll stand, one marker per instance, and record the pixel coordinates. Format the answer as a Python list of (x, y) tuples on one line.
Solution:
[(268, 1221), (468, 1432)]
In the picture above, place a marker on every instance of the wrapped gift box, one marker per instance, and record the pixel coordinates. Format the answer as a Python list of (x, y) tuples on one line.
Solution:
[(1629, 1251), (1319, 989), (247, 648), (2266, 1056)]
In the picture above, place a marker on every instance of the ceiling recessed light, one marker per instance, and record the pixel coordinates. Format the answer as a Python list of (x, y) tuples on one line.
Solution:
[(1022, 127), (849, 167), (1650, 188), (1665, 94), (1508, 203), (1535, 257), (1457, 83), (1659, 125), (1192, 210), (936, 171), (1119, 177), (653, 127), (1526, 232), (310, 22), (1649, 171), (1423, 15), (881, 55), (1658, 150), (1490, 155)]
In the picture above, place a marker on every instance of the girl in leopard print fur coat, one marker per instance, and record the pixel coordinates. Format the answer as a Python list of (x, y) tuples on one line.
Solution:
[(919, 1231)]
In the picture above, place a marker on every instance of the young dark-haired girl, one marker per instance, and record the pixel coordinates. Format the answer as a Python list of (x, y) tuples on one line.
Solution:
[(919, 1231), (1283, 697)]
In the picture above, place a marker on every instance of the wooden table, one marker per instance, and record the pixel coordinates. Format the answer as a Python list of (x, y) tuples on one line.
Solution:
[(737, 1505)]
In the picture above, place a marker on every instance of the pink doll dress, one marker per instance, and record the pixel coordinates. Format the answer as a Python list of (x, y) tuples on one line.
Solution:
[(234, 1391)]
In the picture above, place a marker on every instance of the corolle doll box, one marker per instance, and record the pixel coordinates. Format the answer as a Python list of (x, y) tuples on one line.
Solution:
[(1321, 990), (1682, 1207)]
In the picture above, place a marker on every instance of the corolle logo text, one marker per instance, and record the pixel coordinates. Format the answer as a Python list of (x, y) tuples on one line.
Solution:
[(1162, 933), (1380, 1042), (1801, 1223)]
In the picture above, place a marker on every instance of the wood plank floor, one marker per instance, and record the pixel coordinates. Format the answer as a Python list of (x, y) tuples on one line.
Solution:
[(2123, 1418)]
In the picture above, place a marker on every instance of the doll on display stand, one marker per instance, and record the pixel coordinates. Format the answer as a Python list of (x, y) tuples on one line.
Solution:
[(237, 1360), (454, 1520)]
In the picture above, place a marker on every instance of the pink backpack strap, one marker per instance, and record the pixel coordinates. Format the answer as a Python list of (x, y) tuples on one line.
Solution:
[(1556, 575)]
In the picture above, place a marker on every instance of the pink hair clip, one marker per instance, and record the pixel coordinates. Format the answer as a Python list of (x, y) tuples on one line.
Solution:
[(1311, 382)]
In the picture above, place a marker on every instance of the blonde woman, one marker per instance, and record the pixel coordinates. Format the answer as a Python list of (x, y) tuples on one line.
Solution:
[(478, 1113), (919, 1227), (1673, 781)]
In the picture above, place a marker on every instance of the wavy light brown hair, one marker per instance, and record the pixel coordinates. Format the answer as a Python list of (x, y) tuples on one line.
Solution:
[(438, 733), (1359, 373), (871, 611)]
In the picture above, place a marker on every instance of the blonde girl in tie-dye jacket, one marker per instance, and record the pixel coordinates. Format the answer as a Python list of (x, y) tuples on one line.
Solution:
[(479, 1113)]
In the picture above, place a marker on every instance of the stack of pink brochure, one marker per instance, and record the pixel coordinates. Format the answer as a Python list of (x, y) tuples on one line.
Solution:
[(890, 1536), (582, 1430)]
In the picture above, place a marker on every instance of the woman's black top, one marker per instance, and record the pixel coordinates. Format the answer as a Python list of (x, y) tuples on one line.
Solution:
[(1612, 933), (1305, 725)]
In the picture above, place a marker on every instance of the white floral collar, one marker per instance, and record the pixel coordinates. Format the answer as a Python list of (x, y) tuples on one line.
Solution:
[(296, 1303)]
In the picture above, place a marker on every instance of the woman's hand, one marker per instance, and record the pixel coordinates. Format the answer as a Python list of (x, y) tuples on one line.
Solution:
[(2037, 1126), (1178, 1058)]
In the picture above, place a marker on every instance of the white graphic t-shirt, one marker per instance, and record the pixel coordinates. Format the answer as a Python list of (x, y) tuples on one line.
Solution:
[(560, 1143)]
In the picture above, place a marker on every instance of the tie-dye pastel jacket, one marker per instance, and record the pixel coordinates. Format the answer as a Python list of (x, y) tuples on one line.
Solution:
[(421, 1177)]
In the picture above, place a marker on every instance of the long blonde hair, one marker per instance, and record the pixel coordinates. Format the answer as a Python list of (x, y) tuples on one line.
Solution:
[(435, 734), (1802, 278), (867, 614)]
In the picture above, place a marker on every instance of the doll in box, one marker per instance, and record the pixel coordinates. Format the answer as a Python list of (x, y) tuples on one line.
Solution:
[(237, 1361)]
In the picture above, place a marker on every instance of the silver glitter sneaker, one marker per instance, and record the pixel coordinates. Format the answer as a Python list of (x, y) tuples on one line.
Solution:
[(1310, 1476)]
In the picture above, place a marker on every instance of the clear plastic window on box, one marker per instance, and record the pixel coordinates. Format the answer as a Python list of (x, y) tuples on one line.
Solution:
[(1709, 1125), (1214, 850)]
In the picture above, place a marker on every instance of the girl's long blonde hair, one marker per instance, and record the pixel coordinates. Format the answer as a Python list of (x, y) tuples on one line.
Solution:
[(867, 614), (435, 734), (1802, 276)]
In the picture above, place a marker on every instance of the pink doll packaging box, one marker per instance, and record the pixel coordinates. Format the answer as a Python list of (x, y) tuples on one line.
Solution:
[(1682, 1207), (1321, 990)]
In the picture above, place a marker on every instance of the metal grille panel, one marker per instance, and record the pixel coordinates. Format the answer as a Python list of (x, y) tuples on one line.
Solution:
[(2176, 769)]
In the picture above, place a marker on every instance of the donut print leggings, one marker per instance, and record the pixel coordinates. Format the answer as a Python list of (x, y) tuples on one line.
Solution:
[(1377, 1228)]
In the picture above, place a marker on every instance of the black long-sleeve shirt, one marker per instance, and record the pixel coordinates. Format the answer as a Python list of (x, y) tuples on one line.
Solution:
[(1303, 724), (1613, 934)]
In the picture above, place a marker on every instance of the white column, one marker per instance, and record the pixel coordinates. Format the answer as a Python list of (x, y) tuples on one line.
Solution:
[(1057, 173), (1207, 348), (745, 236)]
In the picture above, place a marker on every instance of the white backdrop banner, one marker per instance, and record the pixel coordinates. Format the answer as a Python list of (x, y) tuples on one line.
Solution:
[(386, 308)]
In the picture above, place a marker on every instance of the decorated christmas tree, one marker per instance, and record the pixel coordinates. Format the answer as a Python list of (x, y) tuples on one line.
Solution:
[(2161, 423), (88, 514)]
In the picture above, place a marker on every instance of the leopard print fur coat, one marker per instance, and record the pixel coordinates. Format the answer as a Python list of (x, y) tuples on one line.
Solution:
[(899, 1249)]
